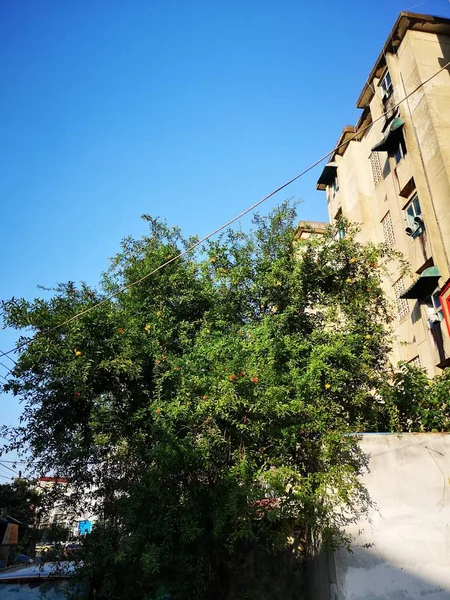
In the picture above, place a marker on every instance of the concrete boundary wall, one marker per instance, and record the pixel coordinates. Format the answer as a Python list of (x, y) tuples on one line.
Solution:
[(402, 550)]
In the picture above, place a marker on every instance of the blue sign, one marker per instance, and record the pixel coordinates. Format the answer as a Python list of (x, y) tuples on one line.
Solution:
[(84, 527)]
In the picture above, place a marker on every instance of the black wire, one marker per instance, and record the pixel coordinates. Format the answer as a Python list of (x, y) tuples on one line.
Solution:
[(231, 221), (7, 368), (9, 468)]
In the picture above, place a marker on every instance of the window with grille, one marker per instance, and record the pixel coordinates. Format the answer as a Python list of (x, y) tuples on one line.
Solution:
[(402, 304), (377, 171), (415, 362), (388, 230)]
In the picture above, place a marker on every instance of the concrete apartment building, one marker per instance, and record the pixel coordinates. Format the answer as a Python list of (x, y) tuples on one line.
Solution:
[(391, 174), (78, 522)]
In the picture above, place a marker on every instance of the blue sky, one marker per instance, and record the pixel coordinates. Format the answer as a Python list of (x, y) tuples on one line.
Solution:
[(190, 110)]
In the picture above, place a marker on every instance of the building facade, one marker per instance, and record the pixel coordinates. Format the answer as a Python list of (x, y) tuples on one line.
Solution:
[(391, 174), (59, 512), (307, 229)]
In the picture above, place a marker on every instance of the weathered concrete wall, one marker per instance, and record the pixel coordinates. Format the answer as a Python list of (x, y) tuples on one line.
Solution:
[(403, 550)]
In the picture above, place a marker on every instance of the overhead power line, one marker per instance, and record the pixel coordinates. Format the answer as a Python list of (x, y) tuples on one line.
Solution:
[(228, 223), (4, 472), (9, 468), (11, 359), (7, 368)]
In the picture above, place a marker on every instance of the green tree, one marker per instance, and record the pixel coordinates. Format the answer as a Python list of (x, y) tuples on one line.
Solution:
[(19, 500), (417, 403), (208, 406)]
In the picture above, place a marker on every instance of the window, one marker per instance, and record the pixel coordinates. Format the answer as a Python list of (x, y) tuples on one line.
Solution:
[(388, 230), (377, 171), (434, 309), (402, 304), (413, 217), (398, 150), (437, 306), (332, 188), (386, 85), (415, 362), (413, 210), (339, 222), (335, 186)]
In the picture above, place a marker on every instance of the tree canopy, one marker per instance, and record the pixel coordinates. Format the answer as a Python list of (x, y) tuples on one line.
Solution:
[(210, 406), (18, 500)]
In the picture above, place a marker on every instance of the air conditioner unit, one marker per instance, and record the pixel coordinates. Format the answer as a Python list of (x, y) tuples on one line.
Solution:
[(433, 317), (417, 224)]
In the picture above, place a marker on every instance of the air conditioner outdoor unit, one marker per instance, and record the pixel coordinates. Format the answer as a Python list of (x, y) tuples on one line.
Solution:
[(418, 224)]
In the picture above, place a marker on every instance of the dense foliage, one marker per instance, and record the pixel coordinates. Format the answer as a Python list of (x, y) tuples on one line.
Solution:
[(417, 403), (208, 406), (19, 500)]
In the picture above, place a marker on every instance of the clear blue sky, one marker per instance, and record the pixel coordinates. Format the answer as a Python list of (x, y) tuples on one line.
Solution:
[(190, 110)]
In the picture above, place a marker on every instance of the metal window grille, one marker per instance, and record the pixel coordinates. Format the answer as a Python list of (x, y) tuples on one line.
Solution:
[(402, 304), (388, 230), (415, 361), (377, 171)]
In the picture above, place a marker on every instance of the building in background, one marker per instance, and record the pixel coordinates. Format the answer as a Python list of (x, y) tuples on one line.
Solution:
[(392, 176), (307, 229), (77, 520)]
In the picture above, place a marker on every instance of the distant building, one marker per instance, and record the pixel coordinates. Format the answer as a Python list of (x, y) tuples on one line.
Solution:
[(392, 176), (307, 229), (77, 520)]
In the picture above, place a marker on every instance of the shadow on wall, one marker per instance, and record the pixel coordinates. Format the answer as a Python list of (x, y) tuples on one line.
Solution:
[(445, 57), (416, 314), (402, 550), (363, 575)]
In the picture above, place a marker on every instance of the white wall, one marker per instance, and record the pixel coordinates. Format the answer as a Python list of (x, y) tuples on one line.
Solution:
[(403, 550)]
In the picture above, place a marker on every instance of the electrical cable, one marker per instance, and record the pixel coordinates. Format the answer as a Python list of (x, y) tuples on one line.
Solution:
[(17, 462), (11, 359), (7, 475), (7, 368), (9, 468), (228, 223)]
